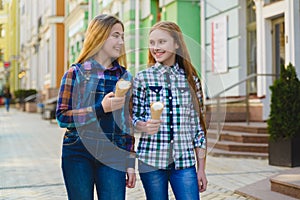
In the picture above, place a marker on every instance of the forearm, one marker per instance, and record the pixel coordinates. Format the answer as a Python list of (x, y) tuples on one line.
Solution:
[(201, 158)]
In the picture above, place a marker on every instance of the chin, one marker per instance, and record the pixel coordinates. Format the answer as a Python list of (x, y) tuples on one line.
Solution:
[(160, 60)]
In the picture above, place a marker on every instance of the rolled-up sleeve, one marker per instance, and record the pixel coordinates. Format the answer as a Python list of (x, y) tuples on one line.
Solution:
[(199, 137)]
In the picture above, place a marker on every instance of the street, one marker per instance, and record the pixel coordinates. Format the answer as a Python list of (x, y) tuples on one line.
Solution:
[(30, 163)]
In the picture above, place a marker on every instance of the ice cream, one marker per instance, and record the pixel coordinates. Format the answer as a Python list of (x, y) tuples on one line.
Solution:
[(156, 110), (122, 87)]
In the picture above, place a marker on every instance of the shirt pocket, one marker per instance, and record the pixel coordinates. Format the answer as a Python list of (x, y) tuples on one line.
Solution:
[(155, 93), (183, 96)]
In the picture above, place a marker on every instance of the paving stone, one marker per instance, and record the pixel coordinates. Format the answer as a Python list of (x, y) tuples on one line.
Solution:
[(30, 164)]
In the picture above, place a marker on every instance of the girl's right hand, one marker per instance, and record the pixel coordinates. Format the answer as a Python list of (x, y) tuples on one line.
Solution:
[(111, 103), (151, 126)]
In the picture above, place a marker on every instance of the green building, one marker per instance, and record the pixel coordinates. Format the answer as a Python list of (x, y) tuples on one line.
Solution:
[(139, 16)]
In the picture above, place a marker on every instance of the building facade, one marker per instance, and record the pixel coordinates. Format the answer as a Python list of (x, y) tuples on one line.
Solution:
[(247, 37), (228, 40), (138, 17), (4, 56), (13, 46), (42, 45)]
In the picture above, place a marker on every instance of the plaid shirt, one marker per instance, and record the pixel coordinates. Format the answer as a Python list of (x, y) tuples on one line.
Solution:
[(79, 102), (180, 131)]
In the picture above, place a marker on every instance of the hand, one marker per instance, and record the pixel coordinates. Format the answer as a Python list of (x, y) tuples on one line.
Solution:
[(151, 126), (202, 181), (111, 103), (131, 178)]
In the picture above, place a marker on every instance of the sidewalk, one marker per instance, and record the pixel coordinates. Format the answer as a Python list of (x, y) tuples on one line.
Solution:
[(30, 164)]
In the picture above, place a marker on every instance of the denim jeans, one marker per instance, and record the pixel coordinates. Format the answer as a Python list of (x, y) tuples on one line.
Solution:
[(183, 182), (7, 102), (81, 171)]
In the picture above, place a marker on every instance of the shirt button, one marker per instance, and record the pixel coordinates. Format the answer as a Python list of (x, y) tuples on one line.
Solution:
[(171, 127), (171, 112), (170, 97), (156, 90), (172, 141)]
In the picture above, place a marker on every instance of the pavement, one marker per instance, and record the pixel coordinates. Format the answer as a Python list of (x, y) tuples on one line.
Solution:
[(30, 168)]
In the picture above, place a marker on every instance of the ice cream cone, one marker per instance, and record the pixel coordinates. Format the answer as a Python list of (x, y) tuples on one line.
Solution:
[(156, 110), (122, 87)]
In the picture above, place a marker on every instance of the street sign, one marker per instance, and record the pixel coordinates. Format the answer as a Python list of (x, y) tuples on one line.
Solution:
[(6, 64)]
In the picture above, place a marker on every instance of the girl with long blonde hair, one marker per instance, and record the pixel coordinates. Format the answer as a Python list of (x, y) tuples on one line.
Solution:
[(98, 144)]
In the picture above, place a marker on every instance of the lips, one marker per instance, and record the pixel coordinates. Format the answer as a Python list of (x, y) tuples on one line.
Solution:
[(159, 53), (117, 48)]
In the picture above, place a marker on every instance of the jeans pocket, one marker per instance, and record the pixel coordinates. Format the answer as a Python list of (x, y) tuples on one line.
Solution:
[(70, 139)]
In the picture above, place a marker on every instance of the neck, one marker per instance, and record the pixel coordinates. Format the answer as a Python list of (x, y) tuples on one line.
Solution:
[(104, 61)]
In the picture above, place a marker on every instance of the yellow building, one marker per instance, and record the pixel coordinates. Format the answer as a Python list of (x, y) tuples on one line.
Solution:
[(9, 45), (4, 64), (13, 44)]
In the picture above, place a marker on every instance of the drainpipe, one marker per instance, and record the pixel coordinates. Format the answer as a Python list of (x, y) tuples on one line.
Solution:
[(203, 41), (137, 35), (90, 10)]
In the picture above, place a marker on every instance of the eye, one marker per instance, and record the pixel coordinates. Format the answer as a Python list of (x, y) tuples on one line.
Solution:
[(162, 41), (115, 35), (151, 43)]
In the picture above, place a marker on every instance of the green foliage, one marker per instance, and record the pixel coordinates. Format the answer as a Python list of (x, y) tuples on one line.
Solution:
[(22, 94), (284, 120)]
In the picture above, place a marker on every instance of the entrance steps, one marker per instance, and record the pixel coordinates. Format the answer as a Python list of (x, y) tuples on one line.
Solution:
[(238, 139)]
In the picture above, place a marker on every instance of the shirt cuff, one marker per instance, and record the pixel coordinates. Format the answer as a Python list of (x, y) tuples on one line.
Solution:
[(98, 109)]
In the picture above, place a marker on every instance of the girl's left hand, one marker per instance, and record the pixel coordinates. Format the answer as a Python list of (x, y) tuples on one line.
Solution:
[(202, 180), (131, 178)]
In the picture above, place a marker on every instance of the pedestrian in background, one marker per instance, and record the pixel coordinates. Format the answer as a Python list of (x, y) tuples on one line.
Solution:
[(7, 98), (98, 145), (167, 148)]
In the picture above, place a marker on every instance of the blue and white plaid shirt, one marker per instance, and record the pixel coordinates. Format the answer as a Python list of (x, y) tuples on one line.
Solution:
[(180, 131)]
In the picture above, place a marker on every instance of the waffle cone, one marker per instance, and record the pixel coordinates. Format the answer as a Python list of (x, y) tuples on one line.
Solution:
[(156, 113), (120, 92)]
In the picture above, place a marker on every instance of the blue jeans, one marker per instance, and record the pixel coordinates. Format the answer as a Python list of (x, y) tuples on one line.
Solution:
[(7, 102), (81, 171), (183, 182)]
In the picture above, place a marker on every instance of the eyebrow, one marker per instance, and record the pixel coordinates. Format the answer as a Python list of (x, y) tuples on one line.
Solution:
[(117, 32)]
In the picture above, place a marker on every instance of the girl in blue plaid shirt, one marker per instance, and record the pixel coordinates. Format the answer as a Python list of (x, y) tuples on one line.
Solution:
[(97, 145), (169, 149)]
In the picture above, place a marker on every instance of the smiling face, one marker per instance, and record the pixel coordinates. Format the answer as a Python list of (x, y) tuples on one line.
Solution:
[(162, 47), (113, 46)]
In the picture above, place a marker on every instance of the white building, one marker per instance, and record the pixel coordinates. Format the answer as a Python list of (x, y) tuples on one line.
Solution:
[(42, 45), (242, 37)]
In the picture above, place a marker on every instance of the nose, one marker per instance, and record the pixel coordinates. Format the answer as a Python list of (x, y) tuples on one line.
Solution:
[(156, 47), (121, 40)]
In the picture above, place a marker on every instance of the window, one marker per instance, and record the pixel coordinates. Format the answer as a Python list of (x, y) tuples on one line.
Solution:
[(272, 1), (1, 55), (2, 31), (1, 4)]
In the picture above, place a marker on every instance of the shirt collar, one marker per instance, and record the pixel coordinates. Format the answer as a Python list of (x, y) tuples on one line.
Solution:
[(174, 69), (92, 63)]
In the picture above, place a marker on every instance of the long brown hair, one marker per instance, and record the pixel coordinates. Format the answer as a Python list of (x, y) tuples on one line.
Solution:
[(97, 33), (184, 61)]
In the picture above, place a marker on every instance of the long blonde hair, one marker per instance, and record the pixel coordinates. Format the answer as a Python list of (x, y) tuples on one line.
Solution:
[(184, 61), (97, 33)]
